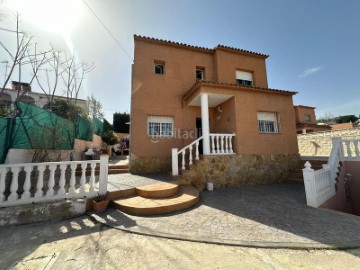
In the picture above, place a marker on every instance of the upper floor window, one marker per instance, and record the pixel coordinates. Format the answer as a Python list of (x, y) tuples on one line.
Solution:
[(244, 78), (268, 122), (307, 118), (159, 67), (200, 73), (160, 126)]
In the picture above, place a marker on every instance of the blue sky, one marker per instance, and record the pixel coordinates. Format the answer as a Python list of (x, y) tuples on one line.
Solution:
[(314, 46)]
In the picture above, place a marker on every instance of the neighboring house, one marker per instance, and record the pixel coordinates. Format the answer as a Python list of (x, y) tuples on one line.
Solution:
[(306, 120), (342, 126), (9, 96), (182, 92)]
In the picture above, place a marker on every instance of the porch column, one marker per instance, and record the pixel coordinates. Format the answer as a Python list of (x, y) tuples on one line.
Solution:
[(205, 123)]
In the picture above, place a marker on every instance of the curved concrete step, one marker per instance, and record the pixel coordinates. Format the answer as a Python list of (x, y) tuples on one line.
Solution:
[(160, 190), (136, 205)]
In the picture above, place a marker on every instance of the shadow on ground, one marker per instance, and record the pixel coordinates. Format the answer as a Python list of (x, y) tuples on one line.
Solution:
[(274, 215)]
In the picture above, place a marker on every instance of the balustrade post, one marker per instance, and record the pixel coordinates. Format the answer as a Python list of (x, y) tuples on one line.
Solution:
[(230, 145), (212, 144), (51, 182), (183, 160), (309, 182), (27, 183), (3, 172), (348, 149), (14, 184), (62, 181), (356, 146), (72, 178), (92, 177), (197, 150), (40, 181), (174, 161), (103, 176), (226, 144), (190, 155), (222, 144), (83, 177)]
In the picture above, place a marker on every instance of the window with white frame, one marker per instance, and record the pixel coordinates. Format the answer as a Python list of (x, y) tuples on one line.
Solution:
[(160, 126), (268, 122), (244, 78)]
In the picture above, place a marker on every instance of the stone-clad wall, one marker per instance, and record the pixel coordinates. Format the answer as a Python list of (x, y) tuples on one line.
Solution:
[(225, 171), (320, 144), (236, 170), (154, 164)]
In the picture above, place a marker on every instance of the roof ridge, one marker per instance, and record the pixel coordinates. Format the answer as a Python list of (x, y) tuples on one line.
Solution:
[(201, 48), (246, 86)]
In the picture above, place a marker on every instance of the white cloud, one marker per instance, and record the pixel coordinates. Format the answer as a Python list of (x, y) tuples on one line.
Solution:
[(309, 71)]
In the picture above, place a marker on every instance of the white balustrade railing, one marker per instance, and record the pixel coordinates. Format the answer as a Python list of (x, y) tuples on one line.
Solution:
[(351, 149), (27, 183), (220, 144), (318, 185)]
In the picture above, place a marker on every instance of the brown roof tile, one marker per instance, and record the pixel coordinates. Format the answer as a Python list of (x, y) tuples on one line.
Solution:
[(201, 48), (243, 86)]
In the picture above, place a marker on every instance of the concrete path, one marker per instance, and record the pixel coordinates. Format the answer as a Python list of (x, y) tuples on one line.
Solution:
[(258, 216), (126, 180), (81, 243)]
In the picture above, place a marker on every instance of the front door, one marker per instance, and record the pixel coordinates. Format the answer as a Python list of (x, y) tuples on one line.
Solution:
[(199, 134)]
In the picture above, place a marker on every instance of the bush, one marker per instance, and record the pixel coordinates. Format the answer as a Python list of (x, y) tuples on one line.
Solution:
[(109, 137)]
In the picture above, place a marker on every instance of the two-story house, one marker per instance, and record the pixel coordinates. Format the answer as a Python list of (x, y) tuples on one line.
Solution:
[(189, 102)]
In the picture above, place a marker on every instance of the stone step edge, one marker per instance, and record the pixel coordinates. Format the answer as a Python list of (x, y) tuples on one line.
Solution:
[(160, 192), (157, 210)]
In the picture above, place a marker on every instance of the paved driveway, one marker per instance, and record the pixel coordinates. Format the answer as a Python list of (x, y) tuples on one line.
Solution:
[(273, 215)]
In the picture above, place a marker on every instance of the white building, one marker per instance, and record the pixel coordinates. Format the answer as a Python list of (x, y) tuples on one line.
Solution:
[(9, 96)]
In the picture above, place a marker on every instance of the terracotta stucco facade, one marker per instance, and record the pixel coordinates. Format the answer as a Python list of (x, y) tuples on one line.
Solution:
[(232, 108)]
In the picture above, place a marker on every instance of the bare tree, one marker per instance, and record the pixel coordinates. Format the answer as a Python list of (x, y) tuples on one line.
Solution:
[(24, 54), (74, 75), (23, 43)]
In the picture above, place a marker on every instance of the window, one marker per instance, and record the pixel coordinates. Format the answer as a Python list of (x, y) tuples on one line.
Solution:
[(160, 126), (200, 73), (159, 67), (307, 118), (244, 78), (268, 122)]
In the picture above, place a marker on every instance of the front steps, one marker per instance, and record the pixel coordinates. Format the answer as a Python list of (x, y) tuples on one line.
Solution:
[(155, 199), (116, 169), (296, 175)]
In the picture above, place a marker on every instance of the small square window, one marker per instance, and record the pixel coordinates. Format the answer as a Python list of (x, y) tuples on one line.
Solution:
[(159, 67), (307, 118), (200, 73)]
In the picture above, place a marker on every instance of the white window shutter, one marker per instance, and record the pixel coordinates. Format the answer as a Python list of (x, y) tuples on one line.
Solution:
[(242, 75), (267, 116)]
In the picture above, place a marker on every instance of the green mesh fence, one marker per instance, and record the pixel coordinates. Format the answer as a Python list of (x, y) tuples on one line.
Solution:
[(83, 129), (4, 127), (98, 126), (36, 128)]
